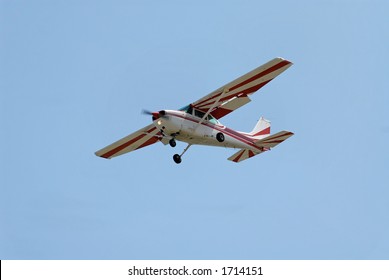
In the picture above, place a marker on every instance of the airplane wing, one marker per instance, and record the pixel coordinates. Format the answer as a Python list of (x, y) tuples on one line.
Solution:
[(235, 94), (139, 139)]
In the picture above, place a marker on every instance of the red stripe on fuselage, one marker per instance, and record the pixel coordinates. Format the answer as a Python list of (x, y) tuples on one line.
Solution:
[(234, 134)]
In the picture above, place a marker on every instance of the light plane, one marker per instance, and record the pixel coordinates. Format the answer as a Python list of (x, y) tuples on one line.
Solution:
[(198, 123)]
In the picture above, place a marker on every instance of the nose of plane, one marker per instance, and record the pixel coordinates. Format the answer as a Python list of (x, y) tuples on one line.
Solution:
[(155, 115)]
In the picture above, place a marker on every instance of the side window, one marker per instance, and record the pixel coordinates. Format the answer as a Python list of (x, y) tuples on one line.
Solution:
[(199, 114)]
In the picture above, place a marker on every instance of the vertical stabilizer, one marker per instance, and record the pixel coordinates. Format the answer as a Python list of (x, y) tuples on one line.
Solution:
[(261, 129)]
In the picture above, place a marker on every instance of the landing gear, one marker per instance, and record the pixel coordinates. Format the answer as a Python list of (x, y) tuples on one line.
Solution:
[(172, 142), (177, 158), (220, 137)]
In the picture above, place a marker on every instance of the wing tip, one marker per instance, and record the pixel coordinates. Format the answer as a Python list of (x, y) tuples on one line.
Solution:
[(283, 59), (99, 154)]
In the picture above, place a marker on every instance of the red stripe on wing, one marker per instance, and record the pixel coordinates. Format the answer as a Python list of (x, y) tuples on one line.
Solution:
[(126, 144), (264, 73), (210, 98), (152, 140), (247, 91), (239, 156), (220, 112), (270, 138), (244, 92)]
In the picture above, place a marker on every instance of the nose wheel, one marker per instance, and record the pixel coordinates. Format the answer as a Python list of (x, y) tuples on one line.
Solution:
[(177, 158), (172, 142)]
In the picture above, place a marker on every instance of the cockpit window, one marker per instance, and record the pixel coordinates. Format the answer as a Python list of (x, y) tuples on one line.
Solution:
[(209, 118), (199, 114), (212, 119), (189, 110)]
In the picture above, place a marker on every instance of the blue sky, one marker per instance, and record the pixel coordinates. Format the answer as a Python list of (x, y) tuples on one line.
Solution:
[(75, 75)]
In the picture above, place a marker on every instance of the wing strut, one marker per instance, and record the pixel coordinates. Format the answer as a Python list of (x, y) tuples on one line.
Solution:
[(225, 91)]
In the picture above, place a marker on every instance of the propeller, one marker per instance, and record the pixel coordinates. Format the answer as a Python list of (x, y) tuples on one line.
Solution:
[(156, 115), (146, 112)]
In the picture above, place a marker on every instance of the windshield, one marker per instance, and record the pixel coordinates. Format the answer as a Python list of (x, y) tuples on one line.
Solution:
[(211, 119), (187, 109)]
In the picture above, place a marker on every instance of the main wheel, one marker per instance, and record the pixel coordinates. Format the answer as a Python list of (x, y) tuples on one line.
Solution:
[(220, 137), (172, 142), (177, 158)]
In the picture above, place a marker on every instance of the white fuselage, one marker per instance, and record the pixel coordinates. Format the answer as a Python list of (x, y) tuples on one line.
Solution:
[(187, 128)]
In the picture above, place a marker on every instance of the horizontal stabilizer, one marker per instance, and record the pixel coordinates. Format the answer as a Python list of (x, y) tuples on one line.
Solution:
[(273, 140), (244, 154), (263, 145)]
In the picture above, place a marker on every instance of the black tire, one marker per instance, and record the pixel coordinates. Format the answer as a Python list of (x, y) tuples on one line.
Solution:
[(177, 158), (220, 137), (172, 143)]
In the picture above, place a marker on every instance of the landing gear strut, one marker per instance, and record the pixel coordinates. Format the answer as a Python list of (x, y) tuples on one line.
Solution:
[(177, 158)]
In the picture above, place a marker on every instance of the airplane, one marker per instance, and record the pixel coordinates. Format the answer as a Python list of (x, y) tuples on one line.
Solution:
[(198, 123)]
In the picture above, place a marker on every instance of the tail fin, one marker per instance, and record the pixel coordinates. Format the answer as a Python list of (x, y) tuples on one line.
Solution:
[(261, 129)]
